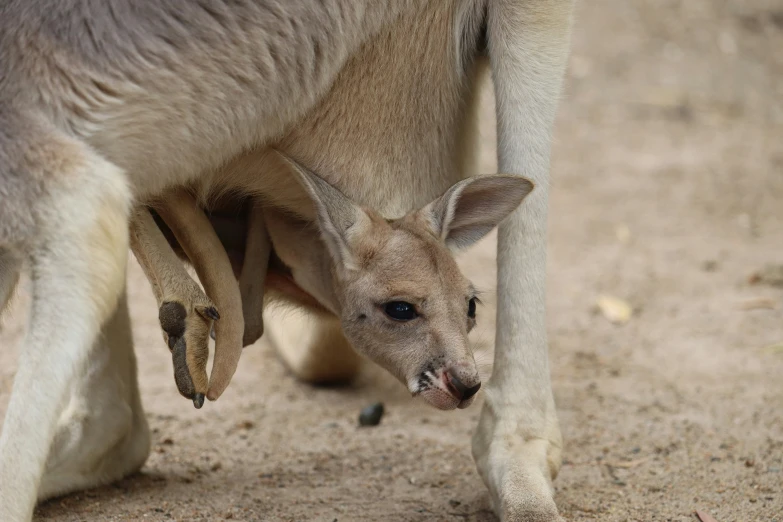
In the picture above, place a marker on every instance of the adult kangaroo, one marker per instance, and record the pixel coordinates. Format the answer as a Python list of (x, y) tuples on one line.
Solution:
[(105, 104)]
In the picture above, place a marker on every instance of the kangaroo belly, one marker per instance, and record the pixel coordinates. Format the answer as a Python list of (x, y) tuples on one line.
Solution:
[(389, 133)]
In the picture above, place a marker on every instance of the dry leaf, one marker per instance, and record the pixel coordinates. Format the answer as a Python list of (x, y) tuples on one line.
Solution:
[(704, 516), (614, 309), (771, 274), (623, 233), (759, 303), (774, 348)]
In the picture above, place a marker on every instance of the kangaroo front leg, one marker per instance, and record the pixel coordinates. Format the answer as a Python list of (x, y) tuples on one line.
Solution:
[(198, 239), (517, 444), (185, 312)]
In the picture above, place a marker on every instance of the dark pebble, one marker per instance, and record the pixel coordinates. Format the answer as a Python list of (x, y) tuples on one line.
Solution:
[(371, 415)]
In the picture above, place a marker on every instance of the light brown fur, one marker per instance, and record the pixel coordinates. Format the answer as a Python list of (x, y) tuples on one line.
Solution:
[(186, 313), (360, 262), (203, 248), (147, 96)]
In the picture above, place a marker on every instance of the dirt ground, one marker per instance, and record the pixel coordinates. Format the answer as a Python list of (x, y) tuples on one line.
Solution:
[(667, 184)]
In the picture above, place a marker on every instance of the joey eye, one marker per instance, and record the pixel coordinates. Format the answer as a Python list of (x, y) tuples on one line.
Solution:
[(400, 311), (472, 308)]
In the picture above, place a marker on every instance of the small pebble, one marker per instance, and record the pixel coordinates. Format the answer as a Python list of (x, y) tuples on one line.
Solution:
[(371, 415), (245, 425)]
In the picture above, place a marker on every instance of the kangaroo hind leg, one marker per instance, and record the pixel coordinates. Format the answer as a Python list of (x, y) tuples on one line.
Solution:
[(78, 251)]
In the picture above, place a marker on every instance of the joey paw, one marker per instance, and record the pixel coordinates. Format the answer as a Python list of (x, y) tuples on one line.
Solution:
[(186, 330)]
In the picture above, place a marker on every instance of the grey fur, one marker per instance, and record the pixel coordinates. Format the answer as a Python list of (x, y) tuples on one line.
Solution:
[(108, 103)]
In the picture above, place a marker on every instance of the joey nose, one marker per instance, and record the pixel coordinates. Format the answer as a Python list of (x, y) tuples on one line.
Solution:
[(461, 391)]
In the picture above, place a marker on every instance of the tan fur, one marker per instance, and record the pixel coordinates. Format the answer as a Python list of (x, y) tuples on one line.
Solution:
[(149, 96), (258, 247), (172, 285), (204, 250), (193, 320), (316, 350), (361, 262)]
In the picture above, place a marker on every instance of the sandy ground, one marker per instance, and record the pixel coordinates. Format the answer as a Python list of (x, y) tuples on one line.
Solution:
[(667, 193)]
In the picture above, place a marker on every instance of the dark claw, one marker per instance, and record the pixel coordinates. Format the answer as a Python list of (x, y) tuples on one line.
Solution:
[(209, 312), (198, 400)]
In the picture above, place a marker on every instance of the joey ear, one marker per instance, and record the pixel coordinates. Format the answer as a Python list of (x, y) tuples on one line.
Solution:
[(470, 209), (339, 220)]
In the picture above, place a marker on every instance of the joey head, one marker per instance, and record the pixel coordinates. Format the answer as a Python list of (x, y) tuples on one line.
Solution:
[(394, 283)]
